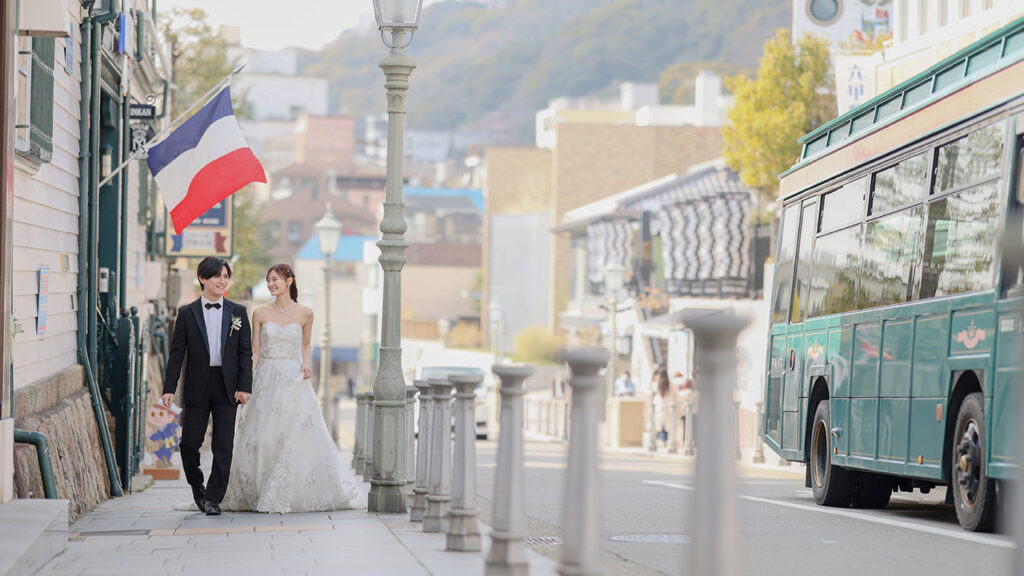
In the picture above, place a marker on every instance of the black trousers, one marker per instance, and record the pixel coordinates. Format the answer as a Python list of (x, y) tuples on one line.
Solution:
[(196, 417)]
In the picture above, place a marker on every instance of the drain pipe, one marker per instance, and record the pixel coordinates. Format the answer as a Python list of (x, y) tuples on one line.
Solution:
[(87, 209), (38, 439)]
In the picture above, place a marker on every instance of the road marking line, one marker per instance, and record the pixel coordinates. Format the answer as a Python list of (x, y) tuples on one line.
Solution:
[(967, 536)]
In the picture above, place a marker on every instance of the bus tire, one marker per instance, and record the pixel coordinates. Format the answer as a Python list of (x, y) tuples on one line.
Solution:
[(974, 495), (831, 485), (873, 491)]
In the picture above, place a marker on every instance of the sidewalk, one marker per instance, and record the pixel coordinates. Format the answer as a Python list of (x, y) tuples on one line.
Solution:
[(143, 534)]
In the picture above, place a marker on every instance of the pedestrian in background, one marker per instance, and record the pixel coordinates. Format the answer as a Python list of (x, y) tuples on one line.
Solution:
[(624, 385), (665, 397), (687, 398)]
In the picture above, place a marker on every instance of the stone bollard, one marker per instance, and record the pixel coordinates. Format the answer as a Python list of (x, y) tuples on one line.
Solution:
[(715, 525), (410, 442), (507, 556), (436, 517), (758, 440), (357, 451), (689, 449), (368, 440), (463, 533), (581, 503), (419, 501)]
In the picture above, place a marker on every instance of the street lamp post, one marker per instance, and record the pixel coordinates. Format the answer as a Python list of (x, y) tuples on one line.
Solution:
[(396, 18), (614, 277), (328, 231)]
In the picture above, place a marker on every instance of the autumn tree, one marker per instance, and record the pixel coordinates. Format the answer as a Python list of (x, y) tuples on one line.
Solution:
[(791, 95)]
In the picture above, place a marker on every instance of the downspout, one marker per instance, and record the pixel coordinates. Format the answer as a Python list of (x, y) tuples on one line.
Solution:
[(122, 273), (38, 439), (88, 205)]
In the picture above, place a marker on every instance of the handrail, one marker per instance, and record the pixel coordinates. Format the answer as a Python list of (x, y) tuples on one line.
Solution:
[(38, 439)]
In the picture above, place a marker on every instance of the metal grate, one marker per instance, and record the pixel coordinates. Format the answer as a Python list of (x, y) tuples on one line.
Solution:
[(652, 538), (773, 406), (542, 541)]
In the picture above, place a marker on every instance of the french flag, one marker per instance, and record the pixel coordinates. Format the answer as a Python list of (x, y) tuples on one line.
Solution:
[(203, 161)]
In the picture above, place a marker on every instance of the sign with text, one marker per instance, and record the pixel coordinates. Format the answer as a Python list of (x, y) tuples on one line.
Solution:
[(142, 112), (208, 235)]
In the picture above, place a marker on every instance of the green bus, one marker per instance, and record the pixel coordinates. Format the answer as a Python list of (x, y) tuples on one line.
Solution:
[(896, 339)]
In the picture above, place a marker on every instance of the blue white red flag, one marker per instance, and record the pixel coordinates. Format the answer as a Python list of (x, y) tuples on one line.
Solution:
[(203, 161)]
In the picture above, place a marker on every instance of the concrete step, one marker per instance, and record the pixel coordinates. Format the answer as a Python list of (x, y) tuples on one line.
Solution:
[(32, 532)]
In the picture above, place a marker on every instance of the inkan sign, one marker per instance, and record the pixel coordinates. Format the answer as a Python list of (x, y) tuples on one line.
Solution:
[(142, 112)]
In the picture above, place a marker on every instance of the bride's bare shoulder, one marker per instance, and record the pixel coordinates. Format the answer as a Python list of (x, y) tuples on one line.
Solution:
[(259, 313), (306, 312)]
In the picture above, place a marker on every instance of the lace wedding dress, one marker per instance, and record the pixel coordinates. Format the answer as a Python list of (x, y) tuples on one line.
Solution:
[(284, 458)]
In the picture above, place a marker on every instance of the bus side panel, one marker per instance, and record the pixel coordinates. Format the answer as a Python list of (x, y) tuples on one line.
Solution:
[(792, 426), (866, 349), (929, 357), (929, 389), (773, 402), (863, 430), (1006, 392), (840, 341), (894, 390), (840, 411), (925, 439)]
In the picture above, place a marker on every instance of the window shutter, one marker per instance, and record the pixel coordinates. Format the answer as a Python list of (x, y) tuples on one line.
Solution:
[(41, 136)]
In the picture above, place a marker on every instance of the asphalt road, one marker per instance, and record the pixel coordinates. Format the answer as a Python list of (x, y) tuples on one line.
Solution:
[(783, 531)]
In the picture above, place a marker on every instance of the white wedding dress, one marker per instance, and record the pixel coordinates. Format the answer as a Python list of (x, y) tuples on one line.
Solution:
[(284, 458)]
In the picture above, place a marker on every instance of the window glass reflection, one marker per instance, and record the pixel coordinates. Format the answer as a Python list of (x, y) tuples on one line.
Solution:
[(834, 283), (960, 242), (900, 185), (891, 265), (972, 158)]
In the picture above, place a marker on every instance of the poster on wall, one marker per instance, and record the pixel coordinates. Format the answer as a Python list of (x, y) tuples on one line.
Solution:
[(43, 304), (208, 235)]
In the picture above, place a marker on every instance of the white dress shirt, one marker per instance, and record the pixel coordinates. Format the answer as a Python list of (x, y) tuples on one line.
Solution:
[(213, 317)]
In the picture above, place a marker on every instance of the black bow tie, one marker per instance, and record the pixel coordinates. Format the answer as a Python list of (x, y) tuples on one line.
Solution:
[(216, 305)]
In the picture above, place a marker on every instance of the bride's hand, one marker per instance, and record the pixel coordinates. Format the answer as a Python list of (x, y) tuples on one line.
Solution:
[(307, 372)]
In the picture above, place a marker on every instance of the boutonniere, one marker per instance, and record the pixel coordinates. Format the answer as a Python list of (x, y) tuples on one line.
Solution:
[(236, 323)]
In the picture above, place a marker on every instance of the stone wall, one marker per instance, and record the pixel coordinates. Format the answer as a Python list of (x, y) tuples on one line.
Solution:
[(60, 408)]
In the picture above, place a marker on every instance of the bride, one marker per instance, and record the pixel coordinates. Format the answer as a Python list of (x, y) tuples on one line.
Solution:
[(284, 458)]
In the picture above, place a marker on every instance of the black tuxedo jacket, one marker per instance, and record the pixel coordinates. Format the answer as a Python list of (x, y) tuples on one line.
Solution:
[(190, 336)]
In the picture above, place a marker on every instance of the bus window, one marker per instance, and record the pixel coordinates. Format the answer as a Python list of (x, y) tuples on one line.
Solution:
[(891, 268), (970, 159), (900, 185), (784, 265), (844, 205), (834, 284), (961, 241), (808, 224)]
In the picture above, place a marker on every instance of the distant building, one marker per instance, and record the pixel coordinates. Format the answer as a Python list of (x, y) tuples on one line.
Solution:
[(638, 104), (290, 220), (843, 21)]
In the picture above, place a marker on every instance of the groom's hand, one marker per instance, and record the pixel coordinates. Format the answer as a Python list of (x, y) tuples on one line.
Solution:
[(167, 399), (242, 397)]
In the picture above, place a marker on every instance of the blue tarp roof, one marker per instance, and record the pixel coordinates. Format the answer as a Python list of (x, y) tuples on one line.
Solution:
[(339, 354), (476, 196), (350, 249)]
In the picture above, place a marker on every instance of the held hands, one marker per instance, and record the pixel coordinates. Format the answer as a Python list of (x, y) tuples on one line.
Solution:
[(242, 397), (307, 372), (167, 399)]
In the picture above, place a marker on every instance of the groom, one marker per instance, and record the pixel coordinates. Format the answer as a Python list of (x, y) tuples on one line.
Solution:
[(215, 334)]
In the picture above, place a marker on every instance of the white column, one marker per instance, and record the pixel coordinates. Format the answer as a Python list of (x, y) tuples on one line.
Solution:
[(410, 441), (368, 439), (463, 533), (386, 485), (438, 498), (507, 556), (688, 429), (716, 523), (419, 501), (581, 503), (357, 450), (672, 424)]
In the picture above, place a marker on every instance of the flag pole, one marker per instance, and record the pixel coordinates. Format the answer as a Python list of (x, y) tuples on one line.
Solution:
[(172, 125)]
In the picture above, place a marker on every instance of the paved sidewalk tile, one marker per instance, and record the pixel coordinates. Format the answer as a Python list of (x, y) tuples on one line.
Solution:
[(155, 532)]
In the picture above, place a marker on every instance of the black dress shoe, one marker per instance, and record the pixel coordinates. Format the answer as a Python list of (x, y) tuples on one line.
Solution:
[(213, 509), (199, 495)]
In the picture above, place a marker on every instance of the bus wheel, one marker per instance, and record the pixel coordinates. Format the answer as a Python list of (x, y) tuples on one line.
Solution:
[(830, 484), (973, 491), (873, 491)]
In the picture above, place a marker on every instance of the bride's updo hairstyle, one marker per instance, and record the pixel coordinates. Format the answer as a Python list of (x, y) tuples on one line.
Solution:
[(285, 272)]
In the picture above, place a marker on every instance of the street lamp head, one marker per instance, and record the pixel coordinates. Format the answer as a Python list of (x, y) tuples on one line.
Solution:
[(614, 278), (328, 231), (397, 16)]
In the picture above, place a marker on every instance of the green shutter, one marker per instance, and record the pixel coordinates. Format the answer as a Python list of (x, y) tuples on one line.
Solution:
[(41, 137)]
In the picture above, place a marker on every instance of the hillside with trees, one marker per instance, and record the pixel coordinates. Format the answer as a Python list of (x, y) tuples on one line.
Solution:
[(490, 69)]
